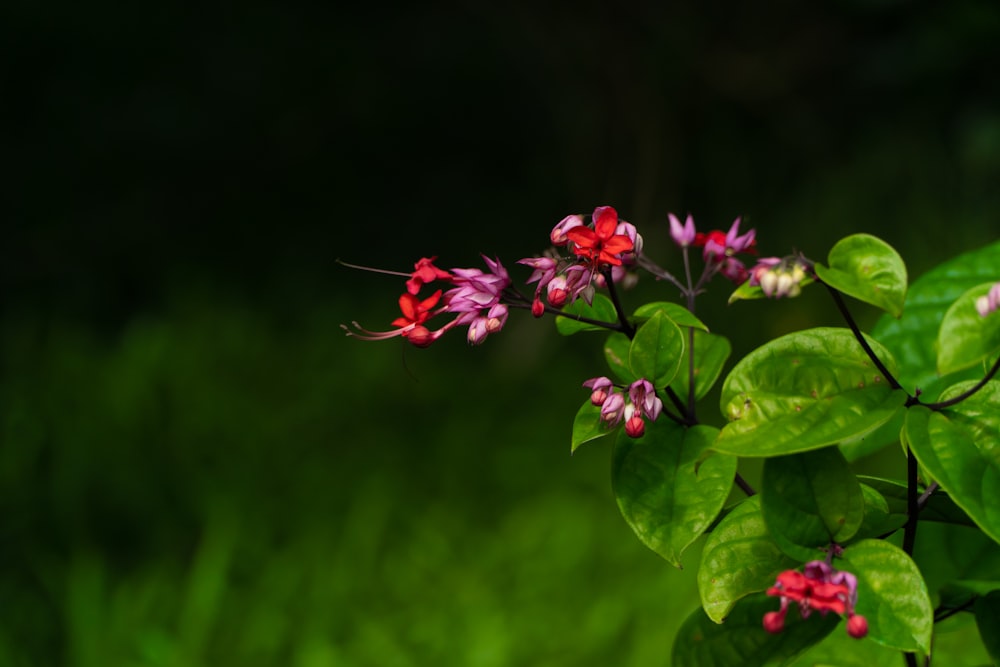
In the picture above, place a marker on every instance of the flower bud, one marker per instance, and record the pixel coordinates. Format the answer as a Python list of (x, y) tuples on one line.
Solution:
[(774, 621), (857, 626), (558, 233), (420, 336), (537, 307), (635, 426)]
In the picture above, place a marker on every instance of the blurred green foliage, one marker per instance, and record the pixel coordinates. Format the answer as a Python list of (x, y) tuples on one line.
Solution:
[(196, 468)]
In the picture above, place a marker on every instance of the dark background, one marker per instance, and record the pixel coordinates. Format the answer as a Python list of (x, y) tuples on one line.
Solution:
[(196, 466)]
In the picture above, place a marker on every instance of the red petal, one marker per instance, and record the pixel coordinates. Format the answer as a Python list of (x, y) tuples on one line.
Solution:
[(410, 307), (582, 236), (605, 222)]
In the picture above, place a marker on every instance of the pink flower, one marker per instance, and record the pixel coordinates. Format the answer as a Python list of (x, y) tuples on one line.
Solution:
[(819, 587), (778, 277), (718, 246), (683, 235), (600, 387)]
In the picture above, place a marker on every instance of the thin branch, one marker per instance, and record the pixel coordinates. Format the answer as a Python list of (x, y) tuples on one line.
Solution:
[(744, 485), (912, 504), (861, 338), (969, 392), (627, 327)]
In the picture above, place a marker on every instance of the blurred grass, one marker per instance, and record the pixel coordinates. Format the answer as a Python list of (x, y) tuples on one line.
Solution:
[(216, 485)]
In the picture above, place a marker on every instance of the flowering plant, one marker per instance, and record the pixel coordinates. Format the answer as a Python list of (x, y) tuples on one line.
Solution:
[(889, 556)]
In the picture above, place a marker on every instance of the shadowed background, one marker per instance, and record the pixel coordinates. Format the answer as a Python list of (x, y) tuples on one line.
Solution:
[(196, 467)]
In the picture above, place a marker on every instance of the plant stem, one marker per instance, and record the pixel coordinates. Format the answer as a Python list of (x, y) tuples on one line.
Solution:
[(861, 338), (969, 392), (627, 327), (744, 485), (912, 504)]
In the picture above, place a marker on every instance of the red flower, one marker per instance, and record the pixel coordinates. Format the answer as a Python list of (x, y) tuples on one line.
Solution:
[(425, 272), (600, 245), (414, 310)]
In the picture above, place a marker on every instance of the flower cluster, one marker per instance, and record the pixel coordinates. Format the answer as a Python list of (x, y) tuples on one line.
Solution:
[(989, 302), (819, 587), (608, 243), (642, 404), (719, 249), (780, 276), (476, 298)]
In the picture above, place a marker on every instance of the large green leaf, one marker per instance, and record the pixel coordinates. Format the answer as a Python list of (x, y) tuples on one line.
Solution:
[(966, 338), (910, 338), (869, 269), (666, 488), (804, 391), (810, 500), (960, 448), (739, 558), (678, 313), (657, 350), (742, 641), (602, 310), (891, 595), (587, 425), (616, 354), (879, 518), (710, 354), (988, 622), (839, 649), (957, 561)]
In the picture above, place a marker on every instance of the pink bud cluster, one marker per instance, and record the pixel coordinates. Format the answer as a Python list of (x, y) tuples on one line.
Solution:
[(606, 242), (642, 404), (990, 301), (819, 587), (780, 277)]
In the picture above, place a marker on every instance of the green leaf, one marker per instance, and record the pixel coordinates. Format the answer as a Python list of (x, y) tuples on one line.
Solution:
[(966, 338), (739, 558), (742, 641), (804, 391), (602, 310), (988, 622), (891, 595), (678, 313), (667, 489), (587, 425), (957, 561), (869, 269), (839, 649), (616, 349), (657, 350), (809, 500), (710, 355), (879, 518), (910, 337), (960, 448)]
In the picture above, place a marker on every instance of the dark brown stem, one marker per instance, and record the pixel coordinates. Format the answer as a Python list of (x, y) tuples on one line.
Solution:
[(842, 307), (969, 392)]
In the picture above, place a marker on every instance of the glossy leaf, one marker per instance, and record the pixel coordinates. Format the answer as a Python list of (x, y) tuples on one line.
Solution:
[(657, 350), (587, 425), (616, 349), (839, 649), (739, 558), (966, 338), (667, 489), (909, 338), (960, 448), (710, 355), (601, 309), (869, 269), (809, 500), (879, 518), (804, 391), (988, 621), (957, 561), (891, 595), (678, 313), (742, 641)]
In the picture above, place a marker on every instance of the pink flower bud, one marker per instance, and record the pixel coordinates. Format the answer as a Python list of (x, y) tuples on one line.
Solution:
[(558, 233), (537, 307), (557, 292), (635, 427), (774, 621), (857, 626), (420, 336), (683, 235)]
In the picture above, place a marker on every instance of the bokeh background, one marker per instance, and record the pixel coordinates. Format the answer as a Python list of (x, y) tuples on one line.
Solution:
[(198, 468)]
